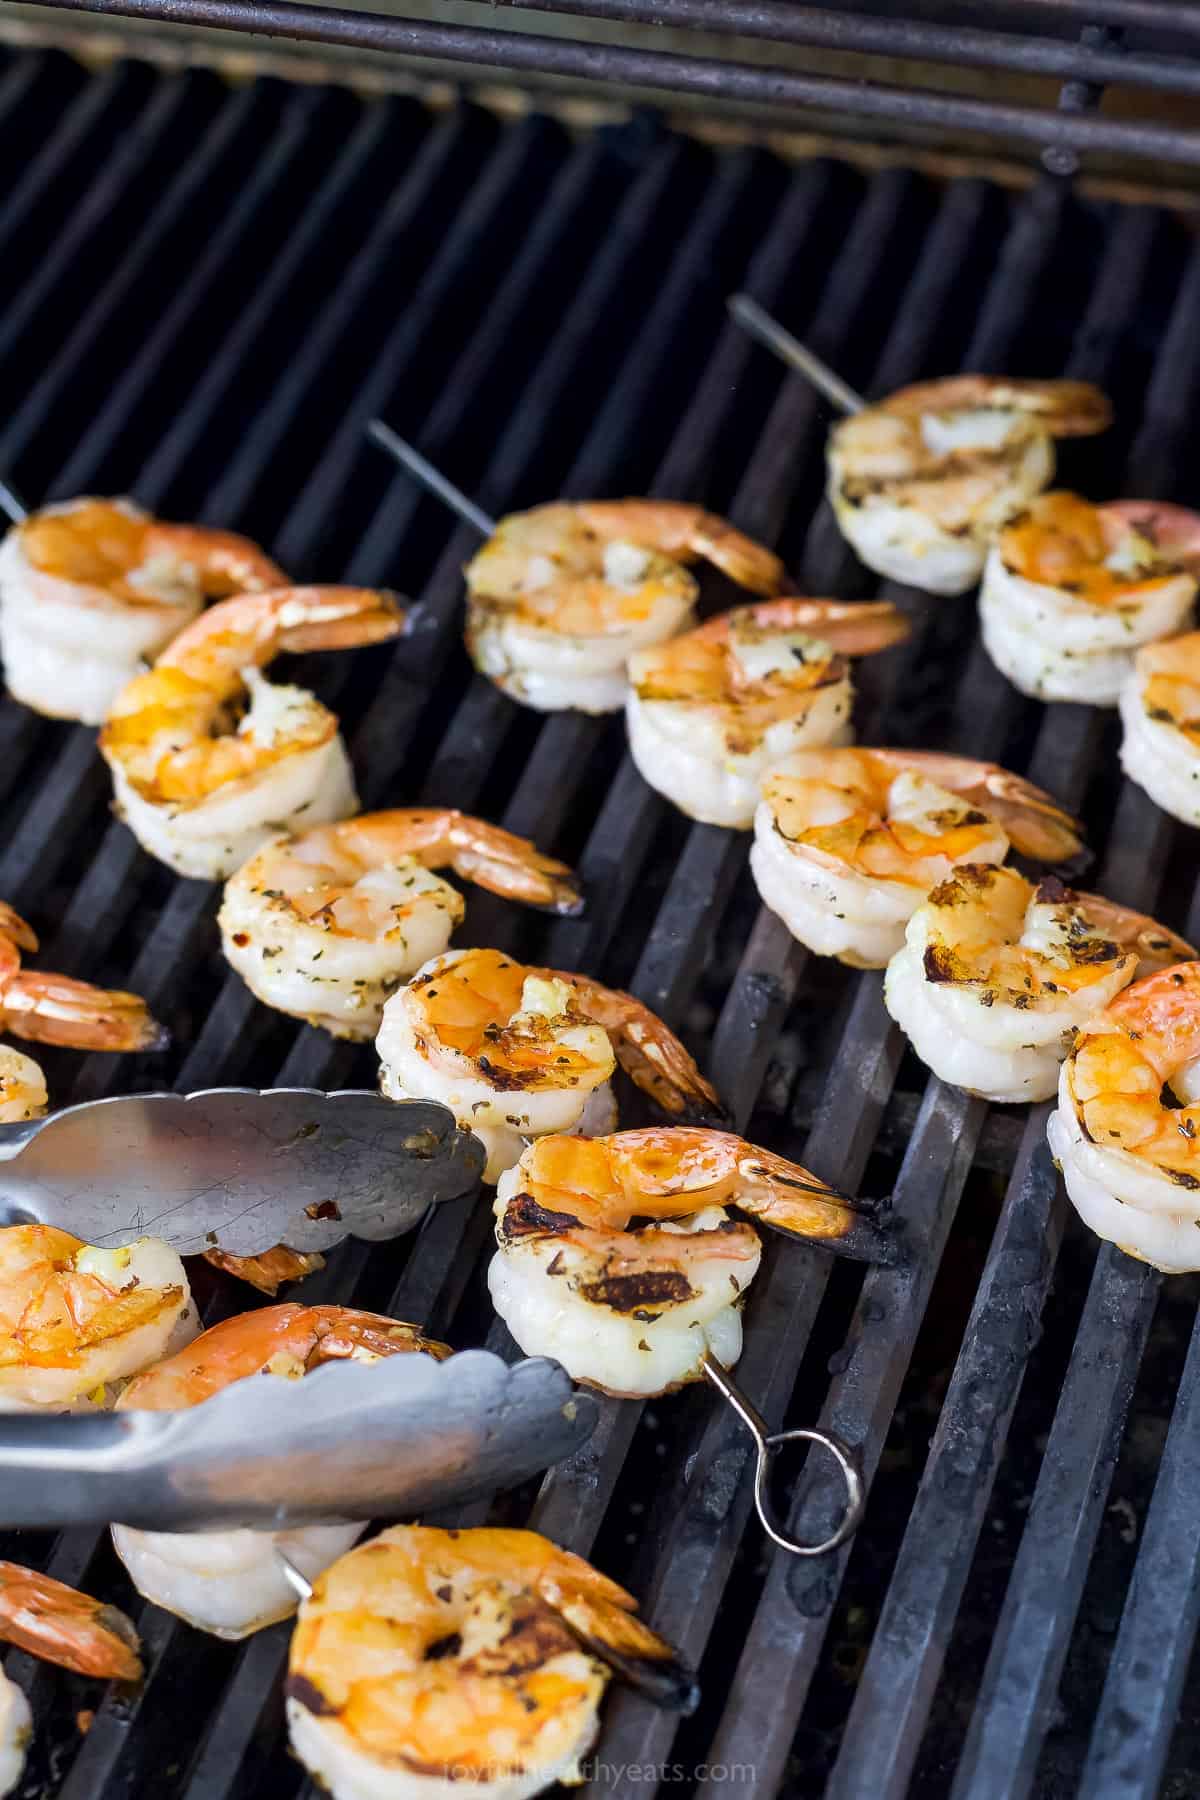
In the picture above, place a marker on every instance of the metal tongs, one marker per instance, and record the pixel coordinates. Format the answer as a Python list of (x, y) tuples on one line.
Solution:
[(243, 1170), (349, 1441), (236, 1169)]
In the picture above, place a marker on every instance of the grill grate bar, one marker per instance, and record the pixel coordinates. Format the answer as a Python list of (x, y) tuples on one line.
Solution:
[(1150, 1661), (1017, 1695)]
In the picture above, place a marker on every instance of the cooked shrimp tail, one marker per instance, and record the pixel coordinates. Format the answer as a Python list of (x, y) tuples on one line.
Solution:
[(613, 1633), (689, 534), (63, 1626), (493, 858), (851, 627), (14, 932), (52, 1009), (648, 1051), (1064, 408), (269, 1271), (1034, 821), (791, 1200)]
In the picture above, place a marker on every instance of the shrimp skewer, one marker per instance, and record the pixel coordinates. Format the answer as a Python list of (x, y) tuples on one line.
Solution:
[(1125, 1130), (921, 482), (203, 795), (708, 712), (1160, 712), (429, 1660), (92, 589), (75, 1320), (1071, 590), (326, 925), (847, 843), (53, 1009), (636, 1308), (231, 1582), (560, 598), (996, 976), (516, 1052)]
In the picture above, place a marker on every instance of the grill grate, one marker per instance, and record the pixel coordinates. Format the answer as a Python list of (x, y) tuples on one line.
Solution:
[(207, 317)]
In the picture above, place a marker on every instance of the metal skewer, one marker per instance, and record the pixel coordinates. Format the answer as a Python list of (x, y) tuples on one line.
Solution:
[(11, 502), (767, 1444), (768, 331), (430, 478), (296, 1580)]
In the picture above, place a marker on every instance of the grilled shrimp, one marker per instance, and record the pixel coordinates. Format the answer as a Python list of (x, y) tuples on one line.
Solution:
[(847, 843), (325, 926), (231, 1582), (203, 793), (516, 1052), (1071, 590), (430, 1662), (559, 598), (75, 1319), (921, 483), (1124, 1132), (995, 976), (633, 1308), (92, 589), (1160, 713), (710, 711), (53, 1009)]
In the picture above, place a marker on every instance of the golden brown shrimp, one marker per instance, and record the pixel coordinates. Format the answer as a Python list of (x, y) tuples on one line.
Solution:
[(1071, 590), (231, 1582), (1160, 713), (326, 925), (559, 598), (474, 1658), (708, 712), (616, 1255), (75, 1319), (921, 482), (63, 1626), (848, 842), (1125, 1131), (516, 1051), (995, 976), (92, 589), (203, 794)]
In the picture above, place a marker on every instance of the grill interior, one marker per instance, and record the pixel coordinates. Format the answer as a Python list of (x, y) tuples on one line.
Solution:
[(208, 292)]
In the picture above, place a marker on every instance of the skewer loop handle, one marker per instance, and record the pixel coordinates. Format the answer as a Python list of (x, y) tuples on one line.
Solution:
[(767, 1445)]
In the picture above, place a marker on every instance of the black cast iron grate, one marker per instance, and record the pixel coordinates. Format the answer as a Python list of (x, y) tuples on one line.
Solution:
[(207, 293)]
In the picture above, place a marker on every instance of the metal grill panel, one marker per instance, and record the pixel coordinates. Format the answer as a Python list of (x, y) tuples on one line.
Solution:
[(206, 318)]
